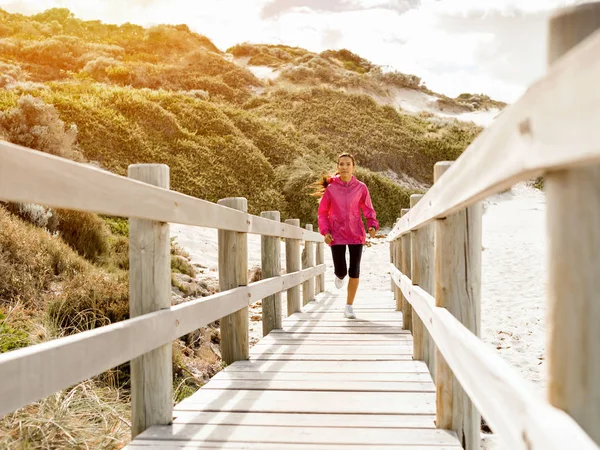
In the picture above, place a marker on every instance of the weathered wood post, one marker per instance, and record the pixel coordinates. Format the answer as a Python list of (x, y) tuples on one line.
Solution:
[(308, 261), (292, 264), (397, 256), (458, 289), (271, 267), (233, 272), (405, 264), (149, 291), (573, 218), (422, 275), (320, 286), (416, 248)]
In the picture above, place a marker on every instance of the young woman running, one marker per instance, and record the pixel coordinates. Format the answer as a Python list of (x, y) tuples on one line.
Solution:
[(341, 223)]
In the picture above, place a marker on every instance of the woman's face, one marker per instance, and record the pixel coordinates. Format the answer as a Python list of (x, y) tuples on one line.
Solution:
[(345, 166)]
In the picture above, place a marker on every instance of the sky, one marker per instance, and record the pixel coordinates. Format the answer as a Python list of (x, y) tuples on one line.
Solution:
[(495, 47)]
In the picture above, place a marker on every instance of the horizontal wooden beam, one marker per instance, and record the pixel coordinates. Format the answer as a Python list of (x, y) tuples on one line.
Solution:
[(508, 403), (31, 176), (553, 126), (34, 372)]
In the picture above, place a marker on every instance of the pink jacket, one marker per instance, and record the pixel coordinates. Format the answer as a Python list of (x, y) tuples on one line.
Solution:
[(339, 211)]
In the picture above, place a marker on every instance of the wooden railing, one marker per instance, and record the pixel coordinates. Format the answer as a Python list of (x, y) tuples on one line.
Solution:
[(554, 131), (35, 372)]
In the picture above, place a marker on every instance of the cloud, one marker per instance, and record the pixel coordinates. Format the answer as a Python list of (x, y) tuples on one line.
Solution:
[(276, 8)]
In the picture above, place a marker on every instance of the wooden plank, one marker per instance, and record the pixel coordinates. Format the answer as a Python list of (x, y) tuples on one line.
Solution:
[(329, 366), (29, 176), (315, 402), (329, 386), (366, 376), (308, 260), (343, 330), (296, 435), (458, 289), (270, 251), (573, 336), (292, 264), (179, 445), (509, 404), (358, 322), (307, 420), (331, 357), (348, 341), (279, 334), (335, 316), (150, 291), (69, 360), (535, 134), (233, 273), (325, 349)]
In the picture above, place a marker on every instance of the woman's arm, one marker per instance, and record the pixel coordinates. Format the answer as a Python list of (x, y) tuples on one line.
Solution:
[(368, 210), (324, 206)]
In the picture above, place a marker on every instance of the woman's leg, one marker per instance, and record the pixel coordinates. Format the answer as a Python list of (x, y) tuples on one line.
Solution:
[(338, 254), (354, 272)]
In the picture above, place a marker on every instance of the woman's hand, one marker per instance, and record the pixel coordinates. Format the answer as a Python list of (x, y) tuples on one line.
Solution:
[(372, 232), (328, 239)]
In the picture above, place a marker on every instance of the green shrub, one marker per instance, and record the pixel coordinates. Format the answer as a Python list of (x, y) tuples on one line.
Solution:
[(10, 337), (90, 300), (85, 232), (180, 265), (31, 260)]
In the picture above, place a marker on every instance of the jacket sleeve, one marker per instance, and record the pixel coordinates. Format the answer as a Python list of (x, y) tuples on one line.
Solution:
[(368, 210), (324, 206)]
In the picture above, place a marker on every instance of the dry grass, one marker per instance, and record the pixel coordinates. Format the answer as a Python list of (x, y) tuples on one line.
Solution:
[(87, 416)]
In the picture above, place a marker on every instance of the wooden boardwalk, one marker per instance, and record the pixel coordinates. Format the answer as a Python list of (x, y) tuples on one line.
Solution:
[(322, 382)]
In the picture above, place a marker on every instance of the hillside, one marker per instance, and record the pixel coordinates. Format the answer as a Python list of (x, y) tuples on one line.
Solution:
[(259, 121)]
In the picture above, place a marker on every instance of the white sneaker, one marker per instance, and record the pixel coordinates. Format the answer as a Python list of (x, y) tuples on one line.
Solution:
[(349, 312), (339, 282)]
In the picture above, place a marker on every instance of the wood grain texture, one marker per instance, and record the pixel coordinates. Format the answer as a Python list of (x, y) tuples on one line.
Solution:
[(320, 285), (271, 267), (292, 263), (416, 244), (308, 260), (573, 219), (311, 420), (29, 176), (458, 289), (521, 419), (150, 291), (534, 135), (324, 436), (405, 267), (183, 445), (233, 272)]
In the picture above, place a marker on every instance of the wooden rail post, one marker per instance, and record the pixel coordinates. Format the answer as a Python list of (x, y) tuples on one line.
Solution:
[(271, 267), (458, 289), (233, 272), (149, 291), (417, 246), (308, 260), (320, 287), (292, 264), (422, 248), (397, 258), (573, 218), (405, 264)]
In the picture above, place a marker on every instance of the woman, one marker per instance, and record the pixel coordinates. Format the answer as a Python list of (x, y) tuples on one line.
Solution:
[(341, 223)]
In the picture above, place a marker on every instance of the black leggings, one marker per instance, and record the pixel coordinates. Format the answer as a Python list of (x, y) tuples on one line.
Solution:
[(338, 252)]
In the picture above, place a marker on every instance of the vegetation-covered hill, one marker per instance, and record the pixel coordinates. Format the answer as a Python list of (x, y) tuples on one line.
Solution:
[(116, 95)]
